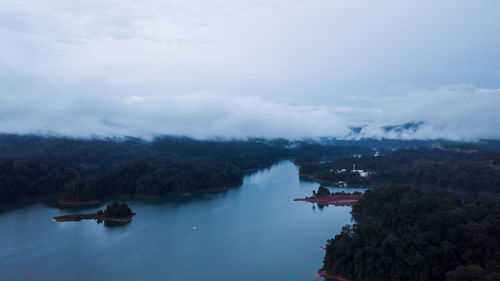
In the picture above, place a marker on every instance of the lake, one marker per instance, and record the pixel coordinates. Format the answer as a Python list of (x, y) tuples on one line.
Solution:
[(251, 232)]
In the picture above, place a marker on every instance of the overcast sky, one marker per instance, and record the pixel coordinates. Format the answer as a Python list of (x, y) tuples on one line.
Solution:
[(239, 68)]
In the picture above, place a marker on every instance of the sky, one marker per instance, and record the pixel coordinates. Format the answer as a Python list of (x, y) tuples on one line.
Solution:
[(250, 68)]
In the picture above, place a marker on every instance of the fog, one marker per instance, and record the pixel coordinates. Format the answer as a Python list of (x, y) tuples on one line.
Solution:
[(237, 69)]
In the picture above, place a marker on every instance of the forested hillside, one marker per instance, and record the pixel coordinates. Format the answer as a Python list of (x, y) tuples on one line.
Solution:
[(418, 234), (476, 171), (89, 169), (86, 170)]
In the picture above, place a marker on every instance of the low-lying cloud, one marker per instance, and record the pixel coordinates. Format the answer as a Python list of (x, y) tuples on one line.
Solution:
[(451, 112)]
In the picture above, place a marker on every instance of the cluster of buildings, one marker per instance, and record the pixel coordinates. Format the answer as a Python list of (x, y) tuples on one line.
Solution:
[(353, 170)]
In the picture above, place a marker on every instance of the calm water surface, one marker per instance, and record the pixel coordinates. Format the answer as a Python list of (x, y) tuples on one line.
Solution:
[(252, 232)]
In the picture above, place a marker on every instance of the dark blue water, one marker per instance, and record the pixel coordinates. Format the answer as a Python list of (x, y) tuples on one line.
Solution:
[(252, 232)]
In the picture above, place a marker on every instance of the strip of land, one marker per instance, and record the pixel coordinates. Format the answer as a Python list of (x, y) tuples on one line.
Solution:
[(94, 216)]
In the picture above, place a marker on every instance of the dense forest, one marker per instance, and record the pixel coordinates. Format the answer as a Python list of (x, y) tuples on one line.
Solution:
[(476, 171), (78, 170), (85, 170), (117, 210), (434, 214), (418, 234)]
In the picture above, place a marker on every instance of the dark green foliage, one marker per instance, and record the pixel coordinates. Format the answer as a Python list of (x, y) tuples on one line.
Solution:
[(322, 191), (118, 210), (473, 172), (32, 176), (418, 235), (187, 175), (31, 166), (83, 170), (81, 189)]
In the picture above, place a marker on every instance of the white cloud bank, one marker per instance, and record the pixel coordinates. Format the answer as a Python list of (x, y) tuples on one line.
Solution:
[(452, 112)]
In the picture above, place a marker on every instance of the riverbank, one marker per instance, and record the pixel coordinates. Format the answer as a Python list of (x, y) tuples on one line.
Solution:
[(78, 203), (323, 273), (183, 194), (313, 178), (144, 196)]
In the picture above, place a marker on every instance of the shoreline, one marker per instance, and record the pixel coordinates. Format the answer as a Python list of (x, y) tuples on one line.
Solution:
[(323, 273), (183, 194), (76, 203), (143, 196), (311, 177)]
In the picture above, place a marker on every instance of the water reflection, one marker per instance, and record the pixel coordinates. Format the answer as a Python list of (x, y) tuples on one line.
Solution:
[(115, 225)]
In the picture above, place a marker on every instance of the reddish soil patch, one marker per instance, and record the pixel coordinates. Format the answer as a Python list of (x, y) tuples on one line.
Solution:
[(323, 273), (125, 219), (337, 200)]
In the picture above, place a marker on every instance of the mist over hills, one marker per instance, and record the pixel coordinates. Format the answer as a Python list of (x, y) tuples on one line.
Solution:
[(454, 112)]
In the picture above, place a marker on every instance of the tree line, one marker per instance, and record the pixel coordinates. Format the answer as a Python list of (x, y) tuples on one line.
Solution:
[(418, 234), (83, 170), (468, 171), (90, 169)]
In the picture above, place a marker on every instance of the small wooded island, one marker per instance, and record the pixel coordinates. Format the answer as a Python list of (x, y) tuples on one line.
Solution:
[(117, 212)]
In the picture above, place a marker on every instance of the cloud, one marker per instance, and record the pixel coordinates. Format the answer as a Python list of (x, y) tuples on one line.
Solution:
[(280, 48), (452, 112)]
